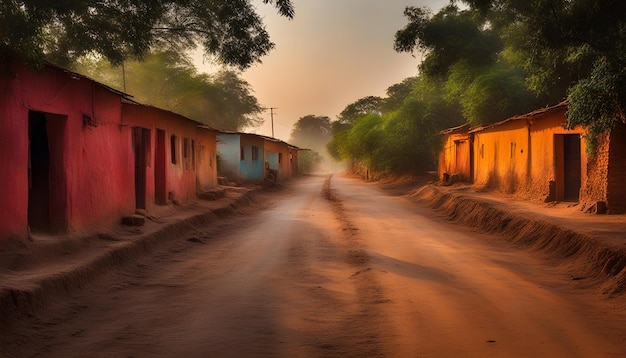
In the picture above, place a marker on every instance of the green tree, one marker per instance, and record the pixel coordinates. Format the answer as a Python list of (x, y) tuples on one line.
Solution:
[(308, 161), (170, 81), (230, 31), (236, 106), (398, 93), (466, 53), (363, 141), (447, 37), (336, 147), (574, 48), (312, 132), (408, 145), (402, 140), (360, 107)]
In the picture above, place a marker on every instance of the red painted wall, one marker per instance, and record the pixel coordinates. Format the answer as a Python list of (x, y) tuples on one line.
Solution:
[(13, 163), (181, 181), (90, 156)]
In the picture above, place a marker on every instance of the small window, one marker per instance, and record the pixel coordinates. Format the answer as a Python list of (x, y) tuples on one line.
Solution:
[(482, 151), (513, 145), (243, 154), (280, 157), (255, 153), (173, 151)]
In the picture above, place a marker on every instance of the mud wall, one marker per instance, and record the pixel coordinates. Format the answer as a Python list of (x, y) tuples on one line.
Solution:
[(544, 167), (293, 160), (179, 161), (594, 182), (206, 169), (238, 162), (282, 163), (524, 158), (252, 167), (13, 161), (454, 158), (616, 190), (229, 151), (501, 157), (90, 157)]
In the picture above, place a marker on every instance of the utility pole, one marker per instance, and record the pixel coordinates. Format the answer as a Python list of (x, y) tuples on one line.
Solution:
[(272, 117)]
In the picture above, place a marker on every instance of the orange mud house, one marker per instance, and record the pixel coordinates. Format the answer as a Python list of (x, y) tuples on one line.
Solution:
[(454, 158), (76, 155), (280, 157), (534, 156)]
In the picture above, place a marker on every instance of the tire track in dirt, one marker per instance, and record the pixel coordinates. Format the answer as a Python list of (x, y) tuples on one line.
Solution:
[(369, 321)]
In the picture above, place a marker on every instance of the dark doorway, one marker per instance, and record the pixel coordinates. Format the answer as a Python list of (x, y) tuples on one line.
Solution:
[(141, 146), (38, 173), (571, 167), (568, 167), (160, 190)]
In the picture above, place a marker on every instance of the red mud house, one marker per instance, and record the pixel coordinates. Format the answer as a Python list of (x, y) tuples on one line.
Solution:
[(174, 156), (535, 156), (71, 162)]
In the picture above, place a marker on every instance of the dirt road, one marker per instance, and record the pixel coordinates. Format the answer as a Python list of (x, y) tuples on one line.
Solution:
[(312, 272)]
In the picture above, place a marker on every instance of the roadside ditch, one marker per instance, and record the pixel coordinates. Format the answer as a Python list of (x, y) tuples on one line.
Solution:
[(588, 260)]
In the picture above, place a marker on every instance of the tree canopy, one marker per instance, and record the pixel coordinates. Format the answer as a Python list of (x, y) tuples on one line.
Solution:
[(466, 53), (539, 51), (62, 31), (312, 132), (170, 81), (399, 134), (487, 61)]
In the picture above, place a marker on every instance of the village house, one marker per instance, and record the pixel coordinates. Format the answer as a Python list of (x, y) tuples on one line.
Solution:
[(535, 156), (454, 157), (281, 158), (174, 157), (77, 155), (240, 156), (246, 157), (293, 159)]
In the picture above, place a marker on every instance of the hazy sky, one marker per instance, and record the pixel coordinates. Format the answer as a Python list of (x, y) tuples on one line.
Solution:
[(332, 53)]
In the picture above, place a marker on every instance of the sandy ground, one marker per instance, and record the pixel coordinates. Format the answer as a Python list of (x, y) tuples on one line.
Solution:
[(319, 270)]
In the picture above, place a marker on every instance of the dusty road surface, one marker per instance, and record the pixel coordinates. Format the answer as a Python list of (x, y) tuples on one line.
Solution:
[(350, 272)]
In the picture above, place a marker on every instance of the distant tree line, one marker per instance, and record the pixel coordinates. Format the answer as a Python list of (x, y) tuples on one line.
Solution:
[(487, 61)]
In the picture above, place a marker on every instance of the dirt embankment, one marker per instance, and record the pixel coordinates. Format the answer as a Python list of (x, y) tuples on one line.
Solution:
[(38, 272), (588, 260)]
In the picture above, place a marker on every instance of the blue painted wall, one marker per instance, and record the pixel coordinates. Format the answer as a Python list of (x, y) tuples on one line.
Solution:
[(229, 148), (252, 168)]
